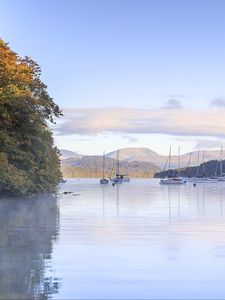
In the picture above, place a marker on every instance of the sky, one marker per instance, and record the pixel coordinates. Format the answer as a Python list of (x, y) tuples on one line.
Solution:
[(127, 73)]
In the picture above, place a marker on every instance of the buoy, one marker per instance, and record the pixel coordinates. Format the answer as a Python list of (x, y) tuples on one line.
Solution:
[(194, 184)]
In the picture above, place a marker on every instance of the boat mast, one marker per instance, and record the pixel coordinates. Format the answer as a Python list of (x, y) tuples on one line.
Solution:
[(221, 161), (178, 161), (198, 163), (103, 163), (169, 159), (189, 165), (118, 164), (203, 163)]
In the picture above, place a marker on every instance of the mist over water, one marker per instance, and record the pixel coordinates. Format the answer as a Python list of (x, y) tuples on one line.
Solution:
[(28, 230), (131, 241)]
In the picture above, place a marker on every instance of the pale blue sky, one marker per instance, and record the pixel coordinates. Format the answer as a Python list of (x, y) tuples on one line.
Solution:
[(122, 53)]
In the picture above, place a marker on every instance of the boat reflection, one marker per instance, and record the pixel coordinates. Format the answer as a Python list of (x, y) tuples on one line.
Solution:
[(201, 201), (177, 201)]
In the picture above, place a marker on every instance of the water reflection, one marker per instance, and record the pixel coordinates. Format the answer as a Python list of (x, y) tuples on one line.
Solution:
[(131, 241), (103, 200), (200, 201), (28, 229), (118, 199), (141, 240)]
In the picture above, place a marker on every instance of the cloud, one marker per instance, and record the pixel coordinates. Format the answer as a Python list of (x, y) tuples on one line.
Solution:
[(174, 96), (173, 103), (219, 102), (209, 144), (130, 139), (177, 121), (203, 143)]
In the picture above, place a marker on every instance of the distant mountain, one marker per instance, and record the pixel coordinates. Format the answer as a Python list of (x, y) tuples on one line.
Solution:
[(91, 166), (194, 158), (135, 154), (147, 155), (134, 161), (69, 154)]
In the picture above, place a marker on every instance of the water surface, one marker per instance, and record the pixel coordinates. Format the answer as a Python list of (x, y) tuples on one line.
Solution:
[(134, 240)]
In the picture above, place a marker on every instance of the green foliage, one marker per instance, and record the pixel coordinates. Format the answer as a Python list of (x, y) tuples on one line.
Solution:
[(210, 168), (29, 162)]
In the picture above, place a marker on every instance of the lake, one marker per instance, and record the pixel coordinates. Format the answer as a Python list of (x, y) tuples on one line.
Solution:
[(136, 240)]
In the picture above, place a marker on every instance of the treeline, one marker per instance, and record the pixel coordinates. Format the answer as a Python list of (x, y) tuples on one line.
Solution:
[(29, 162), (88, 167), (209, 169)]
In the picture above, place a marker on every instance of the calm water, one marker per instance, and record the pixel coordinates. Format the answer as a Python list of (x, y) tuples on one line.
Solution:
[(131, 241)]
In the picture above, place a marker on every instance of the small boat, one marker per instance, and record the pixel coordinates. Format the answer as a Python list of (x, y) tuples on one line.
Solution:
[(119, 178), (103, 180), (173, 180), (221, 176), (202, 178), (170, 179)]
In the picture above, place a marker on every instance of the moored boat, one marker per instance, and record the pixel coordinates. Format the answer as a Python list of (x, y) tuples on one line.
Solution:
[(103, 180), (170, 179), (173, 180), (221, 176), (119, 178), (202, 179), (206, 179)]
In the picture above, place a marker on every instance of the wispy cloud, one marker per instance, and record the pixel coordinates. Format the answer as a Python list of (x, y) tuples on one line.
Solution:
[(209, 144), (203, 143), (130, 139), (173, 103), (177, 121), (174, 96), (219, 102)]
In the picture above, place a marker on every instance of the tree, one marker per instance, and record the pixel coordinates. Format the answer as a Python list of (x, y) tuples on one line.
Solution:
[(29, 162)]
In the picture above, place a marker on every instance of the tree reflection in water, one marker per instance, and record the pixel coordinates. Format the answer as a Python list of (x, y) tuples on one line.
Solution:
[(28, 230)]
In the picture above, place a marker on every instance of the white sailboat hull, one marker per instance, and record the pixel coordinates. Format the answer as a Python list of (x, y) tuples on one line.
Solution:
[(203, 180), (119, 180), (103, 181), (173, 180)]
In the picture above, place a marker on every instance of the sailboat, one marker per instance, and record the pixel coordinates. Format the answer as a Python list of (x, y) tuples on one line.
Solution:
[(103, 180), (170, 179), (202, 178), (221, 176), (119, 178), (199, 178)]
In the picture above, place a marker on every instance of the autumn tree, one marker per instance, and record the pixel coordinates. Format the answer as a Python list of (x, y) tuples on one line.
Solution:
[(29, 162)]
